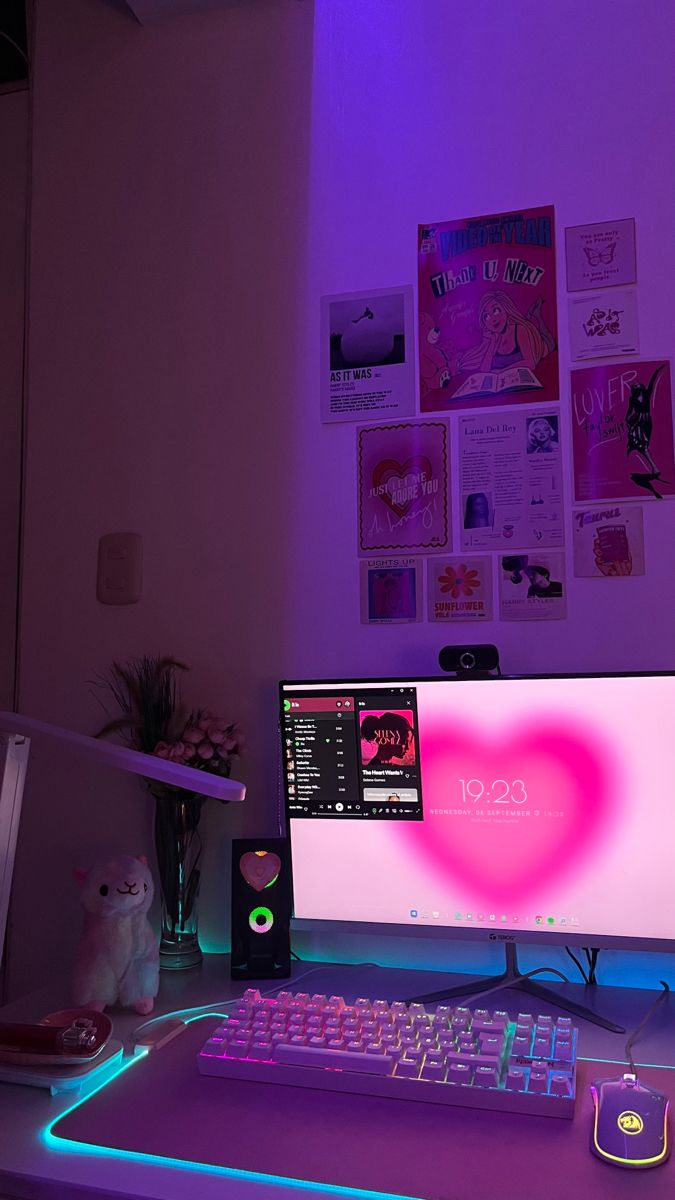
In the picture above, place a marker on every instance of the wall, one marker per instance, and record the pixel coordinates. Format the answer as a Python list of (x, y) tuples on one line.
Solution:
[(186, 222), (14, 144), (424, 113), (168, 228)]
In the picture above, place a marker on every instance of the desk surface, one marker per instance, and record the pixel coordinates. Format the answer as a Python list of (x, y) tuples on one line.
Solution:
[(28, 1168)]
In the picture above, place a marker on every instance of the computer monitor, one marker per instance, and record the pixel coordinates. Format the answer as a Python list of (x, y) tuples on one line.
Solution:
[(509, 809)]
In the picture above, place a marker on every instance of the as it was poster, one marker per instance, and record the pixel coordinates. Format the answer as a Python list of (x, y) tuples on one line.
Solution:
[(488, 327)]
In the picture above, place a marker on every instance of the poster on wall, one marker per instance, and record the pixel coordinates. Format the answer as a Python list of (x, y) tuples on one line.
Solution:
[(367, 355), (403, 496), (391, 591), (622, 431), (510, 480), (532, 587), (608, 542), (604, 324), (488, 329), (459, 589), (600, 255)]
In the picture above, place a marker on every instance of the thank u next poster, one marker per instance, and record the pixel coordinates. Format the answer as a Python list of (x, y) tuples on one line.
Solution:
[(488, 329)]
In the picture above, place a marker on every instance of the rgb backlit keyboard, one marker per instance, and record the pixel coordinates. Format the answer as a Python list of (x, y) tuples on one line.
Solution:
[(454, 1055)]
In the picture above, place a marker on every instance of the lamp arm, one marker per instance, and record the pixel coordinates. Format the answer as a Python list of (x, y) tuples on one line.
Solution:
[(125, 759)]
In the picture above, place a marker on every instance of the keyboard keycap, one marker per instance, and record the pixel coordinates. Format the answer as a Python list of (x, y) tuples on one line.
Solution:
[(343, 1060), (454, 1056)]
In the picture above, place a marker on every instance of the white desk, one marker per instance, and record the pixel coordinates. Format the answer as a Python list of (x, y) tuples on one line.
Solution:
[(30, 1170)]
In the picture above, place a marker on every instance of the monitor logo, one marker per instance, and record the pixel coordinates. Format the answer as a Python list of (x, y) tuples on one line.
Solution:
[(502, 937)]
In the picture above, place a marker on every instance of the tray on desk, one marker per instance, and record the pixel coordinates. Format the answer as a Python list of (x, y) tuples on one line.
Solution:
[(352, 1141)]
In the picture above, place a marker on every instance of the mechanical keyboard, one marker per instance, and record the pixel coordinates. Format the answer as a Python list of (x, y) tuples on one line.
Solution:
[(476, 1059)]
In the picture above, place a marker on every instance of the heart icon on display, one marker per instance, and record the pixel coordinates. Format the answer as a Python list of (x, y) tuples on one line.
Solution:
[(398, 477), (507, 816), (259, 869)]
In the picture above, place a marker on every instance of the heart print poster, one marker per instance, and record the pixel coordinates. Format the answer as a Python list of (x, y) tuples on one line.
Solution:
[(403, 487)]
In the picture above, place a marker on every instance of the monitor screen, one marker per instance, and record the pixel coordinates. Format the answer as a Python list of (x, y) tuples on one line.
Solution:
[(534, 806)]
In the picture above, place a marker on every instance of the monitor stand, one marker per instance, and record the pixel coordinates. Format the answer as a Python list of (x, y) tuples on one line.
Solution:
[(513, 977)]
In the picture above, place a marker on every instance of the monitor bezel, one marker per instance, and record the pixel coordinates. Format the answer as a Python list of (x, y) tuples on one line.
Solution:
[(505, 934)]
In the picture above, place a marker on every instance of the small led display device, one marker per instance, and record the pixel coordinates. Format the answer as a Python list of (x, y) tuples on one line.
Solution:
[(261, 908)]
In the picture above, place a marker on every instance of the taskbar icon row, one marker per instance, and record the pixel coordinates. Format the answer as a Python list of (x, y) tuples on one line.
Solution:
[(424, 914)]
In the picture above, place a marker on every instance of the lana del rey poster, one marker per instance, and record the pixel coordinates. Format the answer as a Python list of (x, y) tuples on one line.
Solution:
[(488, 327)]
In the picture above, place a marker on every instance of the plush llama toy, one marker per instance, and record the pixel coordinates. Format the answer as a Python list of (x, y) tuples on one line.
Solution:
[(117, 957)]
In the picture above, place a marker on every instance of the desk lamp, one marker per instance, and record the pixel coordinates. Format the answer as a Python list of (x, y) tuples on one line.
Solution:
[(16, 732)]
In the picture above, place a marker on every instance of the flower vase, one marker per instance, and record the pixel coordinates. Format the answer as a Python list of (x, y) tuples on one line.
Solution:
[(178, 844)]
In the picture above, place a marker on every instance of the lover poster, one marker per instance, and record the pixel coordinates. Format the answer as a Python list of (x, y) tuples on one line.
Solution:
[(488, 327), (622, 431)]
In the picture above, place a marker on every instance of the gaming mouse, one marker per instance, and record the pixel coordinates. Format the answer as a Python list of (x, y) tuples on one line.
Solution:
[(630, 1123)]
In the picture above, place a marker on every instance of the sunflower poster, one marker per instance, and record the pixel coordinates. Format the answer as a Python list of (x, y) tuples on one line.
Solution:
[(459, 589)]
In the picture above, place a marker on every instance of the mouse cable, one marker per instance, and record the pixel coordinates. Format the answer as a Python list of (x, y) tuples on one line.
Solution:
[(647, 1017), (466, 1001), (575, 960), (592, 960), (208, 1010)]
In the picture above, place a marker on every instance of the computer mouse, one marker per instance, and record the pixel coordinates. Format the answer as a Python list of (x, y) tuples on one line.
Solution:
[(630, 1123)]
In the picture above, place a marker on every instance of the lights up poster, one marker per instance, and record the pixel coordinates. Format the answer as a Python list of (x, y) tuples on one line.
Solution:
[(622, 431), (391, 591), (488, 326)]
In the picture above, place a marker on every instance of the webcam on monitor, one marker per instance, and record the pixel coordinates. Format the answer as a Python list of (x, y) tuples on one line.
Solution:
[(470, 661)]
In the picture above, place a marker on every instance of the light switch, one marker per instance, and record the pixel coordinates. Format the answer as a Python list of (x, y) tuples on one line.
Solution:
[(120, 568)]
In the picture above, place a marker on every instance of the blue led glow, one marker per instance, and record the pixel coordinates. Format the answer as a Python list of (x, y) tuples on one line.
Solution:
[(61, 1144)]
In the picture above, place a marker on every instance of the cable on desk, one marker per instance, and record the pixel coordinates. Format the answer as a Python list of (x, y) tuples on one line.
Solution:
[(208, 1010), (647, 1017), (506, 983), (592, 960), (575, 960)]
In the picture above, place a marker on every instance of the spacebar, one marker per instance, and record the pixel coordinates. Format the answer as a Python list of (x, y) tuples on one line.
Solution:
[(340, 1060)]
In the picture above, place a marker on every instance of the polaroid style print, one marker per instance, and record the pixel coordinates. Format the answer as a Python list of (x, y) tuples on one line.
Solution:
[(608, 541), (403, 488), (532, 586), (391, 591), (459, 589), (600, 255), (604, 324), (367, 355)]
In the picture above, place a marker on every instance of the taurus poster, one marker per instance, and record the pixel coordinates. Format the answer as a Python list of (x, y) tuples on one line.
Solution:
[(488, 328), (404, 503), (608, 541), (622, 431)]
